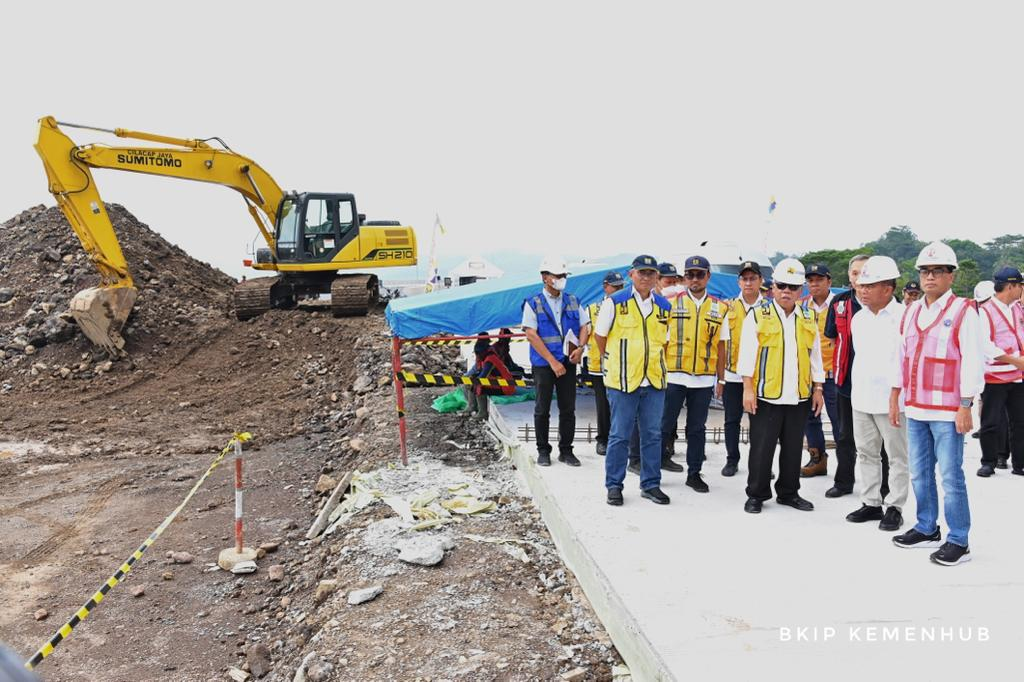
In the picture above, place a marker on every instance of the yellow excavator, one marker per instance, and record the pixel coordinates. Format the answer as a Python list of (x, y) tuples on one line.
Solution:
[(313, 238)]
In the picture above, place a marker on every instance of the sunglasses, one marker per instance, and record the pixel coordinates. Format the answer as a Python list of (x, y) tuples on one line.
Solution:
[(695, 274), (789, 287)]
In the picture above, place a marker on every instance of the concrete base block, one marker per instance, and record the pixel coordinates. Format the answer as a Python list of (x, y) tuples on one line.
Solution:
[(229, 558)]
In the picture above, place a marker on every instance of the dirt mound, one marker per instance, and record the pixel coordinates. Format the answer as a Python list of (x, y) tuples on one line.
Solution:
[(43, 265)]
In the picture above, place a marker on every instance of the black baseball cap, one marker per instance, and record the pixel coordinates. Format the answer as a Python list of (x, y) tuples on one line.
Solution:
[(645, 263), (697, 263), (666, 269), (818, 269), (750, 265), (912, 285), (614, 278), (1008, 275)]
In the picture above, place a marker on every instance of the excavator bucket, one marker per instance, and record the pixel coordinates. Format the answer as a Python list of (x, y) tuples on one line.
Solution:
[(101, 313)]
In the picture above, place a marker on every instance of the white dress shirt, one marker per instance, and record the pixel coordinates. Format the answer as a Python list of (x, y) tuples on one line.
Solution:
[(749, 347), (972, 363), (876, 336), (734, 377), (702, 380)]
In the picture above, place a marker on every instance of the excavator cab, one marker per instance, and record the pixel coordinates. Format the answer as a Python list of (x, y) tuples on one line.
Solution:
[(312, 227)]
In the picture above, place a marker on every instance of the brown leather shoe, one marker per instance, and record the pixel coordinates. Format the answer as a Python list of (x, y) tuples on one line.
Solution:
[(817, 465)]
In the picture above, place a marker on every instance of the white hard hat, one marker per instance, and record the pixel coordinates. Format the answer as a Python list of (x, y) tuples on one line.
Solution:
[(936, 253), (878, 269), (555, 265), (789, 271), (984, 290)]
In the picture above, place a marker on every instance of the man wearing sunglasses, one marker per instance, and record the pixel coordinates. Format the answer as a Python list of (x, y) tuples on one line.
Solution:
[(941, 365), (697, 328), (780, 362), (731, 388)]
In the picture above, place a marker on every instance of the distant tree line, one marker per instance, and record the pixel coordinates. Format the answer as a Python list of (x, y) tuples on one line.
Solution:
[(977, 262)]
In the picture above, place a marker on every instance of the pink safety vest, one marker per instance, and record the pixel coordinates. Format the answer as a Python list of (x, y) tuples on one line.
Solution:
[(1009, 336), (931, 357)]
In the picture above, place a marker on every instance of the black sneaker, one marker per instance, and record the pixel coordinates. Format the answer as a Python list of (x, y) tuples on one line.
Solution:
[(655, 495), (729, 469), (615, 497), (1001, 463), (913, 539), (865, 513), (544, 459), (668, 465), (569, 459), (892, 520), (986, 470), (951, 555), (602, 449), (697, 483), (633, 467)]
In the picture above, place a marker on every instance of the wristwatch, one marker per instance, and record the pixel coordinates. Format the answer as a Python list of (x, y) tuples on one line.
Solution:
[(966, 402), (722, 382)]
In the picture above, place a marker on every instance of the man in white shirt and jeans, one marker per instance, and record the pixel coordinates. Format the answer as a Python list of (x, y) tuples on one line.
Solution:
[(876, 335)]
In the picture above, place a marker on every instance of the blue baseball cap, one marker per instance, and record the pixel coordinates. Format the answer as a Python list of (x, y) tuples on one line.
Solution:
[(645, 263), (697, 263), (1008, 275), (614, 278), (818, 269), (666, 269), (912, 285)]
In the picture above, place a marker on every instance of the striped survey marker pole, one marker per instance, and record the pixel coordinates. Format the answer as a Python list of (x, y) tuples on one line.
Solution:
[(231, 557), (239, 495)]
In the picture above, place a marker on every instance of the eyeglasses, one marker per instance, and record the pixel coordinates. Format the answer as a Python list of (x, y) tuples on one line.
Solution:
[(647, 273), (695, 274), (933, 272), (790, 287)]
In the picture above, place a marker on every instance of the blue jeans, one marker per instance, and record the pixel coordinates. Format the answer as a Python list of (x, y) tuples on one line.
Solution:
[(813, 431), (697, 401), (643, 406), (931, 442)]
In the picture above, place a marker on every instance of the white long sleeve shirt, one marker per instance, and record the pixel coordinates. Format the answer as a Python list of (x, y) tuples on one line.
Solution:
[(790, 372), (972, 364), (876, 336)]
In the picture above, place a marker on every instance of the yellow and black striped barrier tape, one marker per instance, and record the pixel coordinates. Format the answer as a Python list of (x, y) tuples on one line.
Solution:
[(120, 573), (454, 342), (413, 379)]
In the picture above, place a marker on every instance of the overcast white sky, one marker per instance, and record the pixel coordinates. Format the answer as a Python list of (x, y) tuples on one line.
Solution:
[(581, 128)]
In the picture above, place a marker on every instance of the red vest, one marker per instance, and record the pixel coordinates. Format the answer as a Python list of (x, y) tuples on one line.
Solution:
[(931, 357), (842, 310), (1008, 334)]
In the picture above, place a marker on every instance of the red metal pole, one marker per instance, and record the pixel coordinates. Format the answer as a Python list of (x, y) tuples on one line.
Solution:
[(396, 365), (239, 491)]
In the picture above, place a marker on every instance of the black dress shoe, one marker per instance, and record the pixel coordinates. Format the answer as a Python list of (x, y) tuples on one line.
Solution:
[(796, 502), (1001, 463), (836, 491), (544, 460), (602, 449), (752, 506), (892, 520), (615, 497), (655, 495), (633, 467), (1018, 471), (697, 483), (865, 513), (669, 465), (729, 469), (986, 470), (569, 459)]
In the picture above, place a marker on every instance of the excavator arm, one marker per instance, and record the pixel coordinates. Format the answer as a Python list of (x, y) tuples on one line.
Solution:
[(102, 311)]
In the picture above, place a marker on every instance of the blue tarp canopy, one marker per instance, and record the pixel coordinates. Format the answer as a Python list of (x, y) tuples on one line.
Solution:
[(498, 303)]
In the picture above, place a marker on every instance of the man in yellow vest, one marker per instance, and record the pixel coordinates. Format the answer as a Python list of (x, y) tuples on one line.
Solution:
[(730, 389), (818, 299), (697, 326), (780, 362), (613, 283), (631, 331)]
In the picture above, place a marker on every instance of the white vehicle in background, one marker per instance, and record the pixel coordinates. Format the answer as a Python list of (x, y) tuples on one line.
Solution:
[(726, 257)]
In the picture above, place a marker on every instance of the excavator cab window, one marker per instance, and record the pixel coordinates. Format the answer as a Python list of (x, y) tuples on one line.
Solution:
[(318, 238), (288, 232)]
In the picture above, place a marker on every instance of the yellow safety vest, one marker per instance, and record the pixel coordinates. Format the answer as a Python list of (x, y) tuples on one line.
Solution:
[(737, 313), (635, 349), (827, 349), (694, 334), (769, 368), (592, 361)]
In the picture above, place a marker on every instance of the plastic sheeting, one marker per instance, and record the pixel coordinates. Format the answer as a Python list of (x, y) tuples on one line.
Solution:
[(498, 303)]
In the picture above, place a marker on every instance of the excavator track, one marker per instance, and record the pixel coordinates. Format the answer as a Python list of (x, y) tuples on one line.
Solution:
[(254, 297), (352, 295)]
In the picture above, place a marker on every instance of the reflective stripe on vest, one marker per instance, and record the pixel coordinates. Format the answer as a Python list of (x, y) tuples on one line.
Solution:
[(737, 313), (1009, 336), (769, 371), (694, 334), (931, 357), (550, 335), (592, 361), (843, 345), (635, 349), (827, 347)]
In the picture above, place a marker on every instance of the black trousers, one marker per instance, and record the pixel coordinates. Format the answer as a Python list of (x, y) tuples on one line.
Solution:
[(546, 384), (1001, 403), (732, 401), (846, 449), (771, 426), (604, 411)]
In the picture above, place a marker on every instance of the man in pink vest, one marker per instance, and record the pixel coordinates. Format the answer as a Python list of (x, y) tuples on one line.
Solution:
[(1002, 331), (941, 369)]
